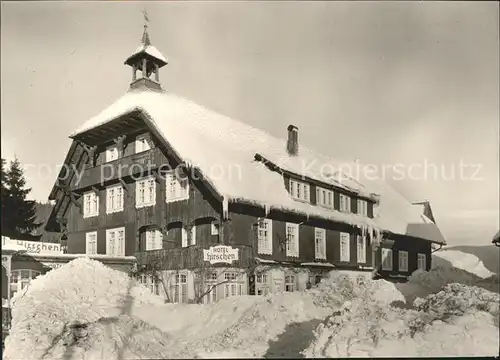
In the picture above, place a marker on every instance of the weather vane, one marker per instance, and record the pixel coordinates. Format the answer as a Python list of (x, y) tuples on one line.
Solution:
[(146, 19)]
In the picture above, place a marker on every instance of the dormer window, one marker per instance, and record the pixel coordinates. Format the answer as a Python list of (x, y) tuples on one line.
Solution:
[(345, 203), (324, 197), (300, 190), (362, 207), (111, 153), (141, 144)]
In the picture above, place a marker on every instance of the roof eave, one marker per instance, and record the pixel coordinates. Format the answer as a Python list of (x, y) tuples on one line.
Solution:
[(131, 60), (438, 242)]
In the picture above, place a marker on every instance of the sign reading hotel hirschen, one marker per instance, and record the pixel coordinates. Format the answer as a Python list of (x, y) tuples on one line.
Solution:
[(220, 254), (34, 247)]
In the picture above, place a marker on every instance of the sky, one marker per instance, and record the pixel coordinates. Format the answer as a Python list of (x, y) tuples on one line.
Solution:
[(413, 84)]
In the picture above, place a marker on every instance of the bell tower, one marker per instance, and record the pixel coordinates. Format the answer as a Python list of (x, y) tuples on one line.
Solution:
[(147, 60)]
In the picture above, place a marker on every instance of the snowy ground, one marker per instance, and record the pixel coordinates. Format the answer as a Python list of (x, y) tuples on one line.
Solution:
[(343, 316)]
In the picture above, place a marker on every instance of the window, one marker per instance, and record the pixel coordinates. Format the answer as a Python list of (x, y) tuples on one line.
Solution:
[(386, 259), (176, 188), (180, 288), (20, 279), (290, 283), (141, 144), (90, 204), (214, 229), (230, 276), (91, 243), (151, 282), (145, 192), (261, 278), (403, 260), (234, 284), (299, 190), (211, 276), (324, 197), (111, 153), (210, 289), (362, 207), (345, 203), (154, 240), (421, 262), (361, 249), (185, 240), (320, 243), (114, 199), (115, 242), (261, 283), (345, 252), (265, 236), (292, 239)]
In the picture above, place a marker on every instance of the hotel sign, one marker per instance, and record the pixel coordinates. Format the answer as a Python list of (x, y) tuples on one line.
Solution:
[(220, 254), (34, 247), (53, 265)]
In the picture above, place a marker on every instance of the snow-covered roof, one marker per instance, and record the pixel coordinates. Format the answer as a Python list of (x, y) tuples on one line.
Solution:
[(151, 50), (74, 256), (318, 264), (224, 150)]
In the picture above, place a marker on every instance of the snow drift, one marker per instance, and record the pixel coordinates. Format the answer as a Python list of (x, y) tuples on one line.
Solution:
[(459, 314), (85, 310)]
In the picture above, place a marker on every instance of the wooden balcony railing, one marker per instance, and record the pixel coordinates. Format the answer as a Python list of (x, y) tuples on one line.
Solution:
[(120, 168)]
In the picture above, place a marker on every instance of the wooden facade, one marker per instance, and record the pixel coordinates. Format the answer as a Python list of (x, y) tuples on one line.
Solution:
[(167, 216), (202, 210)]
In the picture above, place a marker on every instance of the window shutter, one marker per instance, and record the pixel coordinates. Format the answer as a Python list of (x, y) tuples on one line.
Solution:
[(120, 192), (148, 240), (152, 190), (159, 240), (109, 200), (137, 192), (96, 204), (293, 245), (121, 243), (193, 235), (184, 238)]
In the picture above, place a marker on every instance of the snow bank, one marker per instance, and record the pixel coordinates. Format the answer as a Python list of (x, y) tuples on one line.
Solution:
[(458, 314), (91, 311), (83, 291), (85, 310), (423, 283)]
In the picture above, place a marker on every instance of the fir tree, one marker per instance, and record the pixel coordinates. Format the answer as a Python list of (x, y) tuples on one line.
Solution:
[(18, 214)]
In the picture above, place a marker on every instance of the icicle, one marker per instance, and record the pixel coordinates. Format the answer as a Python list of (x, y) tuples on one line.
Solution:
[(377, 238), (225, 209)]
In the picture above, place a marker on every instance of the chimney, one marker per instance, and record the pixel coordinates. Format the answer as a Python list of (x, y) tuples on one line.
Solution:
[(292, 144)]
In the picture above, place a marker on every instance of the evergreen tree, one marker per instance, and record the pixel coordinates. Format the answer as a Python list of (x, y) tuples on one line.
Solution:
[(4, 196), (18, 214)]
